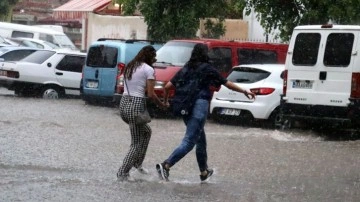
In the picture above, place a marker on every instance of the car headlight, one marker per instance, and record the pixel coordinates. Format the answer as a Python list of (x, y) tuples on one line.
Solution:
[(159, 85)]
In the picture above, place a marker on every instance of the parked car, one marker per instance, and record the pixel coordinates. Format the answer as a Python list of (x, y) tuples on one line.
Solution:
[(322, 80), (106, 59), (34, 43), (14, 30), (44, 73), (265, 80), (15, 53)]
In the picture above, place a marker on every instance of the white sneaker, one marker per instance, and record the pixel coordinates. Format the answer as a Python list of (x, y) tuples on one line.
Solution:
[(125, 178), (142, 170)]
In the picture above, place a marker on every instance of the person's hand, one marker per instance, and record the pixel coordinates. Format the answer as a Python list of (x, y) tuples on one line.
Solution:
[(164, 105), (250, 95)]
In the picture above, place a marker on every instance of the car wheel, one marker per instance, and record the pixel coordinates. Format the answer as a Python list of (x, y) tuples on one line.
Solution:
[(51, 92)]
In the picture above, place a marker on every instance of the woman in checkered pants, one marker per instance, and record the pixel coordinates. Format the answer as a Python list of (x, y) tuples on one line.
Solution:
[(139, 77)]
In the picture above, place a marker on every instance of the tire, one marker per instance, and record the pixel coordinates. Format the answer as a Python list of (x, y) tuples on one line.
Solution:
[(281, 123), (51, 92)]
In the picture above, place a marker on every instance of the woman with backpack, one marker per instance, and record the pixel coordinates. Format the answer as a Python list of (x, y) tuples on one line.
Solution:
[(192, 98)]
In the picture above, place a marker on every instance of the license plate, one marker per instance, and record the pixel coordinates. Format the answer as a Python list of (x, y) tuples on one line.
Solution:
[(3, 73), (231, 112), (92, 84), (302, 84)]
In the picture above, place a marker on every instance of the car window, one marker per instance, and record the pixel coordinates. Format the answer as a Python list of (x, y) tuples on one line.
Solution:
[(247, 75), (338, 49), (102, 56), (31, 44), (221, 59), (15, 34), (38, 56), (71, 63), (16, 55), (254, 56), (306, 49)]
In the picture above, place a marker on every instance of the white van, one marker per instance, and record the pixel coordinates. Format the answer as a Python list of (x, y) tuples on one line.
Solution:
[(12, 30), (322, 76)]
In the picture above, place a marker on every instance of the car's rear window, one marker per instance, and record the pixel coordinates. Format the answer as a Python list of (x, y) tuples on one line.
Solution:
[(16, 55), (306, 49), (338, 49), (38, 56), (102, 57), (247, 75)]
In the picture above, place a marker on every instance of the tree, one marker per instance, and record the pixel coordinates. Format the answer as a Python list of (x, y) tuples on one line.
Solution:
[(6, 9), (285, 15), (168, 19)]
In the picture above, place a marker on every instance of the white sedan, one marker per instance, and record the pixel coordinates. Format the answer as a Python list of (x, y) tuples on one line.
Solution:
[(44, 73), (265, 80)]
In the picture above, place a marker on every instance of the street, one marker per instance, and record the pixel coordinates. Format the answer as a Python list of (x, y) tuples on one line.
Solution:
[(64, 150)]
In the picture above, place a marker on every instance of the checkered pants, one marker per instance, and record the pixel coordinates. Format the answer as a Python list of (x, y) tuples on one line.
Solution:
[(140, 134)]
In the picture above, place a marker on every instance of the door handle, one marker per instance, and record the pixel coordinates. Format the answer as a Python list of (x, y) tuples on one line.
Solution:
[(96, 73), (59, 73), (322, 75)]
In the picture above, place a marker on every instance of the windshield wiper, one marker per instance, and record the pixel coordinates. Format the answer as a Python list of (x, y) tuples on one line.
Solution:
[(166, 63), (242, 80)]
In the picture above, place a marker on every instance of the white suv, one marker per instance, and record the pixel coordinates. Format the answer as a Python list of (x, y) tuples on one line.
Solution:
[(44, 73)]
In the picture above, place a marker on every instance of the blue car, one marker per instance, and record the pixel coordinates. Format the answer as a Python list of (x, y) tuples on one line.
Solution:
[(106, 58)]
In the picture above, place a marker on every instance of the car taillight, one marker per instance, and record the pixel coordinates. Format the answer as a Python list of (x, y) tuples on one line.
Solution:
[(121, 67), (262, 91), (285, 76), (355, 85), (13, 74), (119, 76)]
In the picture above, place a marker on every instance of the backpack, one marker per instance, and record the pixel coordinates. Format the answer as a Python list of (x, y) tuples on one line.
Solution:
[(186, 89)]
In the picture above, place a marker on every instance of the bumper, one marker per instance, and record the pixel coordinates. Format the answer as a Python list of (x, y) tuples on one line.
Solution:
[(257, 110), (321, 114)]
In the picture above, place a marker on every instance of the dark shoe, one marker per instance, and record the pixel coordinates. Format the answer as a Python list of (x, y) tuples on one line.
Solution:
[(206, 177), (163, 172)]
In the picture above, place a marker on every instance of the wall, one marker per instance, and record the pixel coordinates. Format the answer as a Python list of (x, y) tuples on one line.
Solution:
[(107, 26)]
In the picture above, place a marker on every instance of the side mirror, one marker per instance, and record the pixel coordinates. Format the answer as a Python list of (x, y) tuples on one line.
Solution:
[(49, 64)]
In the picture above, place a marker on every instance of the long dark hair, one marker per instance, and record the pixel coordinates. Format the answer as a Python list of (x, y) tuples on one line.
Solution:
[(147, 55), (198, 55)]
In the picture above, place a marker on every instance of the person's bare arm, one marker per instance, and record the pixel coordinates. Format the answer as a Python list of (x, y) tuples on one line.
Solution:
[(167, 88), (234, 87), (150, 85)]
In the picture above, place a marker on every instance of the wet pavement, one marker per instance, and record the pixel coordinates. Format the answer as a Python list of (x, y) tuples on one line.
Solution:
[(64, 150)]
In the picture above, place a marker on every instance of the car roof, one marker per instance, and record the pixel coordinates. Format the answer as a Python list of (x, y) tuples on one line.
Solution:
[(266, 67), (115, 42), (224, 42), (11, 48), (68, 52)]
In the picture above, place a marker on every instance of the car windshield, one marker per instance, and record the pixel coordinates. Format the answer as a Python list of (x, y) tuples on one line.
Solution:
[(247, 75), (175, 53), (64, 42), (39, 56)]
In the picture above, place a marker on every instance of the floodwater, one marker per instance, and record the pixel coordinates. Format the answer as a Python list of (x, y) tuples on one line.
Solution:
[(64, 150)]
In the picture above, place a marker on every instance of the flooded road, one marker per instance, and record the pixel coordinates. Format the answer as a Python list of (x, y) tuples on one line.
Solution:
[(65, 150)]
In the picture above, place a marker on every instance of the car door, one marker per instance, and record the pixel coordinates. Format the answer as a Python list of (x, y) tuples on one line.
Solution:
[(68, 72), (319, 72), (100, 70)]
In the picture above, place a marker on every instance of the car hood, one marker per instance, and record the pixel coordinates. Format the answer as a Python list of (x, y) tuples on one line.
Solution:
[(165, 72)]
